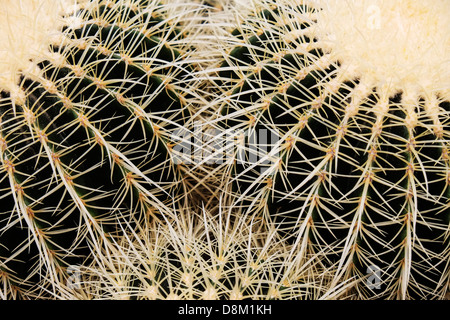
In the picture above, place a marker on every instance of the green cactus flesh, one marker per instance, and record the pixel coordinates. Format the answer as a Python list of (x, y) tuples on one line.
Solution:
[(85, 146), (348, 177)]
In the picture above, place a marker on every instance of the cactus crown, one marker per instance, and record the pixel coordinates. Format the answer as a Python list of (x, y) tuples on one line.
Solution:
[(28, 28), (412, 59)]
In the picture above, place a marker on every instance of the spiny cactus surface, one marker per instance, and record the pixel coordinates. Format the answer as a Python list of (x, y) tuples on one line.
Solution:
[(202, 256), (88, 101), (357, 97)]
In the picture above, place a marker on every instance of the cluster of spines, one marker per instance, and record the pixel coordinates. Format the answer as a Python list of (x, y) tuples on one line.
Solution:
[(203, 256)]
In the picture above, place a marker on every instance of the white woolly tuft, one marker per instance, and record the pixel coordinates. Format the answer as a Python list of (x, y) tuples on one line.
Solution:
[(413, 58), (27, 27)]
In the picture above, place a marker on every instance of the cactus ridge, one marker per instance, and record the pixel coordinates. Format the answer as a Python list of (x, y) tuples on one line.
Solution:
[(359, 172)]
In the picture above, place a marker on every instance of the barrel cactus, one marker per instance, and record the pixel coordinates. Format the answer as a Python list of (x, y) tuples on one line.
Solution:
[(357, 98), (203, 255), (90, 93)]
